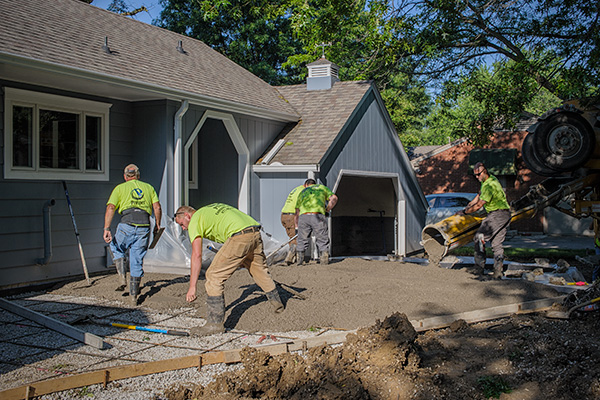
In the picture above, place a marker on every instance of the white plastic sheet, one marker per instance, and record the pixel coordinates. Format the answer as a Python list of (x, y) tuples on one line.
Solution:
[(173, 251)]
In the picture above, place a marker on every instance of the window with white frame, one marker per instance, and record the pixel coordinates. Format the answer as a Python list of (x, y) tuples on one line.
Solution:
[(54, 137)]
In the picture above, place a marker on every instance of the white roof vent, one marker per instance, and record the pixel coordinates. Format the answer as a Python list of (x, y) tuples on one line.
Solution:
[(322, 74)]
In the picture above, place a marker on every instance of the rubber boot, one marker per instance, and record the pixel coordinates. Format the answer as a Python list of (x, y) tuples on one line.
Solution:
[(299, 257), (122, 272), (479, 262), (479, 253), (134, 289), (324, 258), (215, 310), (275, 300), (291, 255), (498, 268)]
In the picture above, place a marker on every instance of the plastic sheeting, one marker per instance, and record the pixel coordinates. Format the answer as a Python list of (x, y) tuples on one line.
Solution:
[(173, 251)]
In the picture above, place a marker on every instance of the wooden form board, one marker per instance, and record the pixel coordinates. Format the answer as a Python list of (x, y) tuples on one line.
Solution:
[(485, 314), (59, 326), (231, 356)]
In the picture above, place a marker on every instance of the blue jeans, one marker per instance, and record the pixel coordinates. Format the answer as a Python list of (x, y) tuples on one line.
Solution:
[(135, 239)]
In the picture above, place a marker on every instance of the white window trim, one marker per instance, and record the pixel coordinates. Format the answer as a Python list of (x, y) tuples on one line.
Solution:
[(55, 103)]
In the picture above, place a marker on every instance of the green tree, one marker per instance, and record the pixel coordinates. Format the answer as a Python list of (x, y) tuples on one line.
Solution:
[(255, 34), (532, 44)]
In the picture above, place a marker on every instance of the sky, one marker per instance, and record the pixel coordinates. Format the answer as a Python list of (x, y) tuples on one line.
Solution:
[(153, 7)]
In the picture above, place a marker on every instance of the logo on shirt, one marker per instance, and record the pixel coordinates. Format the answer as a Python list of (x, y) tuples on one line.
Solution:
[(137, 194)]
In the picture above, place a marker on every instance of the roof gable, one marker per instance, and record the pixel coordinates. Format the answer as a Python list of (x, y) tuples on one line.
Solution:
[(72, 34), (324, 114)]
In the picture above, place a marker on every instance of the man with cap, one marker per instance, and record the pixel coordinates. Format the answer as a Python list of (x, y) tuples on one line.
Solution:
[(312, 207), (135, 201), (493, 228), (242, 247)]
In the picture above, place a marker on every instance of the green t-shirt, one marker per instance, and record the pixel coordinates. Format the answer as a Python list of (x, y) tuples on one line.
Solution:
[(217, 222), (313, 199), (133, 194), (493, 195), (290, 202)]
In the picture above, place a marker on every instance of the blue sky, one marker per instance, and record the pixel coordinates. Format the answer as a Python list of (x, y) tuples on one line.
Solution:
[(153, 7)]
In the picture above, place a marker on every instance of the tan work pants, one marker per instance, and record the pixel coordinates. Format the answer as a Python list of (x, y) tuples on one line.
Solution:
[(245, 250), (287, 220)]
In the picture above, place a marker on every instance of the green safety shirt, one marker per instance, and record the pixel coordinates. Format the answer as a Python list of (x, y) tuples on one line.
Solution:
[(133, 194), (290, 202), (313, 199), (493, 195), (218, 222)]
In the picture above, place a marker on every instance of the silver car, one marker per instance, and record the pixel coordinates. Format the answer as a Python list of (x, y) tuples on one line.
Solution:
[(443, 205)]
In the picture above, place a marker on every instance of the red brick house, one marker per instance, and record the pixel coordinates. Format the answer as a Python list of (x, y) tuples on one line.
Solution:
[(450, 169)]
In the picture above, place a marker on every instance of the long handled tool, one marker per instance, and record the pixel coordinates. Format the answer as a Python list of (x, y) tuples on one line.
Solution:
[(566, 314), (281, 247), (85, 270), (127, 326)]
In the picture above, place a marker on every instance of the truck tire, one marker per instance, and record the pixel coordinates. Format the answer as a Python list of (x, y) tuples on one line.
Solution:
[(531, 160), (564, 142)]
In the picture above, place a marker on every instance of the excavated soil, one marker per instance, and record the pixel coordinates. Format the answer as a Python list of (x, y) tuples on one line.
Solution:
[(521, 357)]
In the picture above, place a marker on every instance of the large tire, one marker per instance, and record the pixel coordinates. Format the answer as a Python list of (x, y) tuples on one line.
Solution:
[(531, 160), (563, 142)]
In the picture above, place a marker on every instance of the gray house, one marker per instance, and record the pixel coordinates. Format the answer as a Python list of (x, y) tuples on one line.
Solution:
[(85, 92)]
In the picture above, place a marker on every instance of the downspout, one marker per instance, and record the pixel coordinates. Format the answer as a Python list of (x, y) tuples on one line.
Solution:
[(178, 155), (47, 233)]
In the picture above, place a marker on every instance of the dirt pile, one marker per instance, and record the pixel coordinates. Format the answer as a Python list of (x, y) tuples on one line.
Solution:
[(375, 363), (525, 357)]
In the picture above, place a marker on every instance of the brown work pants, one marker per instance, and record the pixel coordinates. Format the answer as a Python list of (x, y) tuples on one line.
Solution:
[(288, 222), (245, 250)]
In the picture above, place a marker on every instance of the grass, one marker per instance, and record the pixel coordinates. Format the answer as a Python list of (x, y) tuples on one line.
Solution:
[(517, 253), (493, 386)]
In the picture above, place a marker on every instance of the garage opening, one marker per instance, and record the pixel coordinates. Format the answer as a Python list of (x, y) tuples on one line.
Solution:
[(364, 219)]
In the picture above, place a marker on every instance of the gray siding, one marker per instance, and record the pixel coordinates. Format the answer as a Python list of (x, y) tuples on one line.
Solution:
[(134, 137), (274, 189), (367, 144)]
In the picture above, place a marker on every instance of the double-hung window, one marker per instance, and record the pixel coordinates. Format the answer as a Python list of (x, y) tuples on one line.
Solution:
[(54, 137)]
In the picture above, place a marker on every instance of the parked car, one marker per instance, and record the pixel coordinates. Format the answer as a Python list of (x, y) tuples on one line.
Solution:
[(443, 205)]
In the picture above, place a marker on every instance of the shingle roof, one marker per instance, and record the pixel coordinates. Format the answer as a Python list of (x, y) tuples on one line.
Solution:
[(324, 114), (71, 33)]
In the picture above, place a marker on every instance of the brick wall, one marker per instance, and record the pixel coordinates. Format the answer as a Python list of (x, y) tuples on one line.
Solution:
[(449, 172)]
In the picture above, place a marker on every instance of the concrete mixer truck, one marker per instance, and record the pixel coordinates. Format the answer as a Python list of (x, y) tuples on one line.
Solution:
[(563, 145)]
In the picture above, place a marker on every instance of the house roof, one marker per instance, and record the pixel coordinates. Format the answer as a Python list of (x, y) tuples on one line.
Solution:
[(324, 114), (70, 34)]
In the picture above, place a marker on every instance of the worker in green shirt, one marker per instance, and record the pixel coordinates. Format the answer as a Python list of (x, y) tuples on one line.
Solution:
[(288, 220), (242, 247), (135, 201), (314, 202), (493, 228)]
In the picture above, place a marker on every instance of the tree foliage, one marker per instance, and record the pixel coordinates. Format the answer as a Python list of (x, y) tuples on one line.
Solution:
[(487, 60), (255, 34), (530, 46)]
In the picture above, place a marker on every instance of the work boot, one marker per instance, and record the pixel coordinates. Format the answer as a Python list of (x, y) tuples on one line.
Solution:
[(275, 300), (134, 288), (324, 258), (498, 268), (122, 272), (299, 257), (291, 255), (215, 317), (479, 262)]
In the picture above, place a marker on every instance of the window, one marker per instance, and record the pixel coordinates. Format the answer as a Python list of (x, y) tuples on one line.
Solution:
[(54, 137)]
